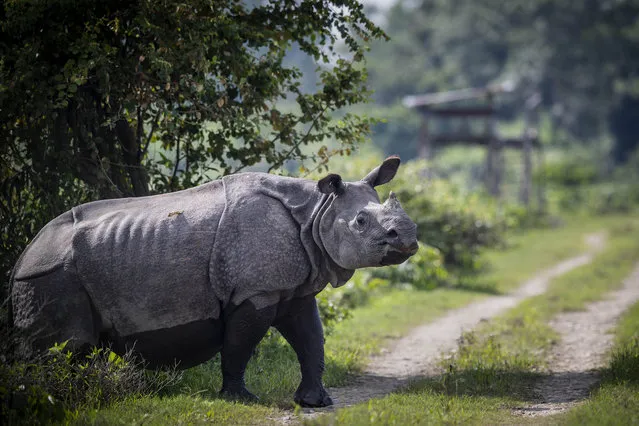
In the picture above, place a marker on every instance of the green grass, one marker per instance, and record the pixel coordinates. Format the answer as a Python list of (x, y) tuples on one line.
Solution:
[(273, 373), (529, 251), (179, 409), (496, 366)]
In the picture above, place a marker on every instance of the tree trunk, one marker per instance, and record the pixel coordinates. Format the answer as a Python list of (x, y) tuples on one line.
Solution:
[(130, 149)]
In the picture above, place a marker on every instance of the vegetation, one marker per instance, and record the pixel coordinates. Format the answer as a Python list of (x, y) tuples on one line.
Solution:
[(385, 313), (56, 384), (112, 99), (495, 367)]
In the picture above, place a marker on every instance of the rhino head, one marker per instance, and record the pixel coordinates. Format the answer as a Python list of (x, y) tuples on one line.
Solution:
[(357, 230)]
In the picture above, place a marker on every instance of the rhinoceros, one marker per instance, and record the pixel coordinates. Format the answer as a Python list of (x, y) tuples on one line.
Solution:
[(185, 275)]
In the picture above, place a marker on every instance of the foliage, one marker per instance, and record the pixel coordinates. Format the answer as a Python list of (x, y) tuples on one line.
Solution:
[(423, 271), (273, 372), (111, 99), (332, 311), (576, 183), (458, 223), (46, 388), (572, 172)]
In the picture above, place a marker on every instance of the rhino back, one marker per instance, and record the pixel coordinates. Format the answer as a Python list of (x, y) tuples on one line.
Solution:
[(48, 251), (144, 261)]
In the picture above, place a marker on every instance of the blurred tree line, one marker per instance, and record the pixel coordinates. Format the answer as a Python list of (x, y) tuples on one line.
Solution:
[(582, 56)]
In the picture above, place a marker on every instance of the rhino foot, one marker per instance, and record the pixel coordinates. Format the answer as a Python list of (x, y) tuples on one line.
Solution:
[(240, 394), (317, 397)]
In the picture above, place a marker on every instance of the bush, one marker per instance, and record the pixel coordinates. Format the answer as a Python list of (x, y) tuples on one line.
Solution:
[(332, 310), (424, 271), (458, 223), (572, 172), (50, 386), (605, 198)]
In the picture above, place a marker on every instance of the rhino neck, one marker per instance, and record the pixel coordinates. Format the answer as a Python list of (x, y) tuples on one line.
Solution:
[(307, 206), (330, 270)]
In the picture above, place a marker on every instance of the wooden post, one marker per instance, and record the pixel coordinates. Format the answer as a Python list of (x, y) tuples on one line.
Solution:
[(526, 179), (530, 134), (541, 196), (494, 160), (425, 149), (425, 142)]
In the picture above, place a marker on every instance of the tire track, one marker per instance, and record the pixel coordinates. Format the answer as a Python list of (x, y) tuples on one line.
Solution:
[(585, 341)]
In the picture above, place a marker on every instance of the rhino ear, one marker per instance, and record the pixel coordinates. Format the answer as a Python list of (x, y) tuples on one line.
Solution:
[(331, 184), (384, 172)]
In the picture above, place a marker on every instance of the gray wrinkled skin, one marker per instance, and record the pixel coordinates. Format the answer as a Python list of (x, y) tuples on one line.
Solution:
[(126, 267)]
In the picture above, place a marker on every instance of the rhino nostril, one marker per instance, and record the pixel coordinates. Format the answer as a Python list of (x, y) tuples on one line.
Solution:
[(391, 234)]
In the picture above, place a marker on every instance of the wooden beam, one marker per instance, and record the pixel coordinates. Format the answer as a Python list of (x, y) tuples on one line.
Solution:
[(467, 139), (459, 111), (461, 138), (414, 101)]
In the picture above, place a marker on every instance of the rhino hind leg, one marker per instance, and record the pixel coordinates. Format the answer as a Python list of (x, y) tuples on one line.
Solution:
[(245, 326), (53, 308)]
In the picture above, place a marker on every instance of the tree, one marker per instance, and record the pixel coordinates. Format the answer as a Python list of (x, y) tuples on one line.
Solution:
[(88, 90)]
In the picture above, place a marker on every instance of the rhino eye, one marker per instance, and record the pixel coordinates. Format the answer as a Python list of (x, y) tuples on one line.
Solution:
[(361, 219)]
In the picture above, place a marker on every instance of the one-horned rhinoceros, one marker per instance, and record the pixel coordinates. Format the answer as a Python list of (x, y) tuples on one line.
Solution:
[(182, 276)]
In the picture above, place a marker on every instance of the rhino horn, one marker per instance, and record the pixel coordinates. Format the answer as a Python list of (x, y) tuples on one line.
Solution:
[(392, 202)]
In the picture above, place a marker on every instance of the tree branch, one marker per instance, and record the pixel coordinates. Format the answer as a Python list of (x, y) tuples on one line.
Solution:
[(297, 145), (156, 123)]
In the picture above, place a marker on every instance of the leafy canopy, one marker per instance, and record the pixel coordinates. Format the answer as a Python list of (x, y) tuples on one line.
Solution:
[(119, 98)]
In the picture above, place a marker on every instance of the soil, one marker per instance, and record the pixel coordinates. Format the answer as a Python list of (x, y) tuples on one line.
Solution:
[(584, 342)]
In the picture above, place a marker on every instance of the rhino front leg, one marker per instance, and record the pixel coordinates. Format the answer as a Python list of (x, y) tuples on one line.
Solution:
[(302, 328), (245, 327)]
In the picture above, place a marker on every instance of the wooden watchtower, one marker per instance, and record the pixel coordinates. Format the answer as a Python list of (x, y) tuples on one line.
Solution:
[(479, 103)]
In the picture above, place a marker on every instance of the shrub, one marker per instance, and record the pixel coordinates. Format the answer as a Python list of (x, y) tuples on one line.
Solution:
[(568, 172), (47, 387), (424, 271), (332, 310), (458, 223)]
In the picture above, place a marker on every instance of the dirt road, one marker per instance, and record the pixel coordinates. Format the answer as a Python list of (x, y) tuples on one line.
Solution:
[(418, 353), (585, 339)]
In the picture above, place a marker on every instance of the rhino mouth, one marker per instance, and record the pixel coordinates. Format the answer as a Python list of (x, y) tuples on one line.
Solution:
[(397, 255)]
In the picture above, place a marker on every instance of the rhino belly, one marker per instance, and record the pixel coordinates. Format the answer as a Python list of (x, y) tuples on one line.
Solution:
[(183, 346)]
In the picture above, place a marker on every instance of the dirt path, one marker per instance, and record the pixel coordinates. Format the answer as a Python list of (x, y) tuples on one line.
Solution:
[(585, 341), (418, 353)]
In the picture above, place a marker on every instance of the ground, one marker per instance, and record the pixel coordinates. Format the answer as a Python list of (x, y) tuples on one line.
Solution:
[(572, 370), (580, 352)]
